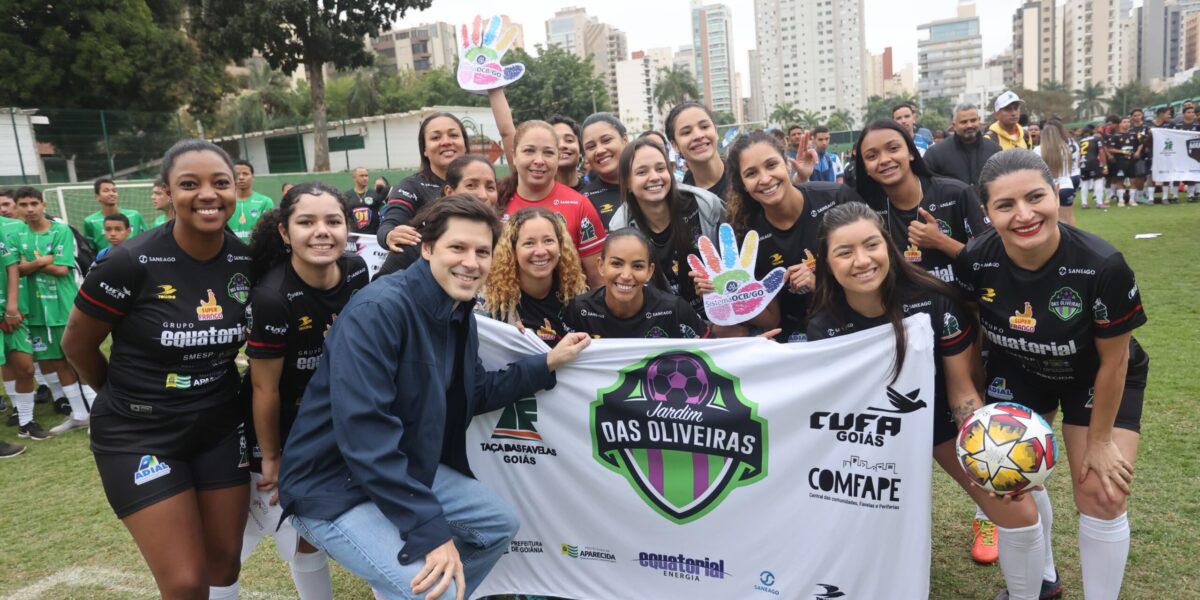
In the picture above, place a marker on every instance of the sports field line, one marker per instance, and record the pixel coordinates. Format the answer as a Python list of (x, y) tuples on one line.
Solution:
[(129, 584)]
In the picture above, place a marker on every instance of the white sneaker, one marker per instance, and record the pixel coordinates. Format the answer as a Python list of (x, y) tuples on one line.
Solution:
[(69, 424)]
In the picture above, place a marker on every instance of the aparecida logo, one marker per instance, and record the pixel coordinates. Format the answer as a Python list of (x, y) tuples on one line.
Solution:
[(679, 429)]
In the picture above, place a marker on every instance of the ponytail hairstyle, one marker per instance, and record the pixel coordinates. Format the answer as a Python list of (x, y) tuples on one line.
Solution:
[(507, 188), (267, 247), (681, 241), (191, 145), (741, 208), (902, 275), (503, 290)]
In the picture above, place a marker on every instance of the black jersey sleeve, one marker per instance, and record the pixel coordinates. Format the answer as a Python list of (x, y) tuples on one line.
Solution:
[(691, 326), (267, 318), (404, 202), (957, 326), (820, 326), (974, 220), (964, 267), (571, 318), (111, 287), (846, 194), (1117, 308)]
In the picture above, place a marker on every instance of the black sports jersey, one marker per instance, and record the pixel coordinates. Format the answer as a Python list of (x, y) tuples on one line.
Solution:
[(1089, 149), (720, 188), (1047, 320), (669, 264), (543, 316), (953, 331), (959, 215), (1122, 143), (798, 244), (288, 319), (606, 197), (364, 210), (177, 323), (661, 316), (1193, 126), (409, 196)]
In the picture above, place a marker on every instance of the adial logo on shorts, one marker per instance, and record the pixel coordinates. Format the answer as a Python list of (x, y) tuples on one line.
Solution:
[(998, 389), (149, 469), (516, 437), (1066, 303), (681, 432)]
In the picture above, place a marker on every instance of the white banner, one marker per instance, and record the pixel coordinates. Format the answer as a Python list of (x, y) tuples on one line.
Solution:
[(716, 469), (1176, 155), (366, 246)]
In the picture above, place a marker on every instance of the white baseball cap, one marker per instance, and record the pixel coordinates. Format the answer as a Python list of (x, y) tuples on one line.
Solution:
[(1005, 99)]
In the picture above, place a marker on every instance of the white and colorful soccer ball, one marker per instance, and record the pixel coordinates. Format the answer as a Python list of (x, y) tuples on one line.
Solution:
[(677, 380), (1007, 448)]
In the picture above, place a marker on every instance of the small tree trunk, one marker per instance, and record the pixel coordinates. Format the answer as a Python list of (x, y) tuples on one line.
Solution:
[(316, 82)]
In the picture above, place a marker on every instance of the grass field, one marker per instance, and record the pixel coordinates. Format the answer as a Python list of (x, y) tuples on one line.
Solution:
[(60, 540)]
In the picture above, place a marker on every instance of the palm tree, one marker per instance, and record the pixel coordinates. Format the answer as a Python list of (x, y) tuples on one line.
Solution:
[(785, 114), (674, 85), (841, 120), (808, 119), (364, 97), (1089, 101), (1054, 86)]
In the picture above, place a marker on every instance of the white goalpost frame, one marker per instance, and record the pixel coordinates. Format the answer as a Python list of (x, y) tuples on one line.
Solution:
[(62, 200)]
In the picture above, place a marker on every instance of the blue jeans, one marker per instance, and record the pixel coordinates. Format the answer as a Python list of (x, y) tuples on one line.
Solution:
[(367, 544)]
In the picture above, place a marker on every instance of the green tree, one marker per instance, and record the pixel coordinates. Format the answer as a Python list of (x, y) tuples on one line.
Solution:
[(937, 113), (292, 33), (841, 120), (674, 85), (101, 54), (880, 107), (785, 114), (808, 119), (1130, 96), (1089, 100), (556, 82)]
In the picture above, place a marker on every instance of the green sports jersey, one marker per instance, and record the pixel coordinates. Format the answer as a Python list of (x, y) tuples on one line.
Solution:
[(13, 231), (93, 226), (247, 213), (50, 297), (159, 220), (8, 256)]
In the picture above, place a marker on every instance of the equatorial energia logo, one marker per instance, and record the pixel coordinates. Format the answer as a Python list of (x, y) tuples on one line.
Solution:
[(681, 431)]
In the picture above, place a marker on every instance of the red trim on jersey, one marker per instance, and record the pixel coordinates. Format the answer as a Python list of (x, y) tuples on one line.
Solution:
[(400, 201), (262, 344), (101, 304), (954, 340), (1135, 311)]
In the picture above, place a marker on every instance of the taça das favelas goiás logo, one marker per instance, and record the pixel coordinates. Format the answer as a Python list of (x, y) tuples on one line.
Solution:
[(681, 432), (516, 436), (149, 469)]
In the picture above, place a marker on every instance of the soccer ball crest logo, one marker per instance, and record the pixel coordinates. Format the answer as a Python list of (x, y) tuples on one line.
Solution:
[(1007, 448), (681, 432)]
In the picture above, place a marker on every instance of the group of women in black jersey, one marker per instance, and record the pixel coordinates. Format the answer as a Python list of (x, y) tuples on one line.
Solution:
[(902, 241)]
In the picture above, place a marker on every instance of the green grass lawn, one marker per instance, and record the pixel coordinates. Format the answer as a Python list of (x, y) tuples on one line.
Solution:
[(54, 516)]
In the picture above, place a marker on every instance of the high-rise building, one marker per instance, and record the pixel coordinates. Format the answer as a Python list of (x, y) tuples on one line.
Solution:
[(946, 50), (883, 79), (417, 49), (636, 78), (755, 109), (1037, 44), (685, 59), (812, 54), (1094, 44), (1191, 42), (586, 37), (712, 48)]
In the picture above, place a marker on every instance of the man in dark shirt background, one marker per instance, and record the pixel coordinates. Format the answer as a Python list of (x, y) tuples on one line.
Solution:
[(963, 154)]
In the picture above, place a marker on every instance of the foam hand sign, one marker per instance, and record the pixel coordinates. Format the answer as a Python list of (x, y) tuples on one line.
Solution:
[(737, 296), (479, 67)]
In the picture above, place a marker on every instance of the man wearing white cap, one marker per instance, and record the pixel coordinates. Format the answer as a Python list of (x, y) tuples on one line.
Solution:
[(1007, 131)]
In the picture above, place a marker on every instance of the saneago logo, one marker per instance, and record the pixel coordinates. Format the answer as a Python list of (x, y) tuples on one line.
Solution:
[(766, 580), (681, 432), (588, 553), (998, 389), (518, 422), (679, 566), (866, 428), (142, 258), (166, 291), (1066, 303), (149, 469), (1063, 271)]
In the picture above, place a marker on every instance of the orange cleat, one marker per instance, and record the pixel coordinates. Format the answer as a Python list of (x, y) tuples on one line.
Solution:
[(984, 550)]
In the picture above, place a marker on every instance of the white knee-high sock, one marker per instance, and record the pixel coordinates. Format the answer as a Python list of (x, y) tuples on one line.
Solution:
[(53, 383), (79, 410), (24, 405), (10, 388), (1046, 513), (979, 514), (229, 592), (88, 393), (41, 377), (311, 574), (1103, 551), (1022, 554)]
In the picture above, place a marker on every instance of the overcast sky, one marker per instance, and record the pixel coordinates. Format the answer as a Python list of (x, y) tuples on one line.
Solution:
[(655, 23)]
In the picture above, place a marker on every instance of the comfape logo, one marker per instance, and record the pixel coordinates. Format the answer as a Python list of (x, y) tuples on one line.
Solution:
[(681, 432), (150, 469)]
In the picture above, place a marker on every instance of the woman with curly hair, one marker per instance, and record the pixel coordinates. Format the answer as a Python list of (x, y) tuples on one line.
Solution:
[(535, 272)]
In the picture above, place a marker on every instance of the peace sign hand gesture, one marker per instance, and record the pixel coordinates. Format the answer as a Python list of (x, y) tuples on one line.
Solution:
[(479, 67)]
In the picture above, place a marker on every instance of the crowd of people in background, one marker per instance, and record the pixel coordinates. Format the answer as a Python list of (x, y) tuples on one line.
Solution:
[(588, 236)]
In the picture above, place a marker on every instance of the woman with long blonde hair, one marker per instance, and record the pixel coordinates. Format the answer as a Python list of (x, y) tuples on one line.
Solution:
[(535, 272), (1058, 154)]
